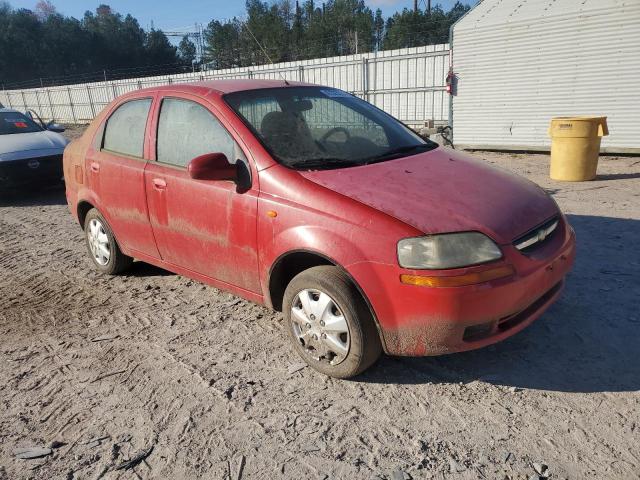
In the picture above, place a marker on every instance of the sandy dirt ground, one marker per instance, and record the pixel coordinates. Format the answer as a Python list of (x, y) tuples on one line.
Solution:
[(109, 369)]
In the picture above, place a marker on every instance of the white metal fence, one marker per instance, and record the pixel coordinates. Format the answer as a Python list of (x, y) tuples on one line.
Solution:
[(408, 83)]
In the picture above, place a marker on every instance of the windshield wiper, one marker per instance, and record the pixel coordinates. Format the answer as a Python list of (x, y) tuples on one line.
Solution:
[(394, 152), (324, 162), (328, 162)]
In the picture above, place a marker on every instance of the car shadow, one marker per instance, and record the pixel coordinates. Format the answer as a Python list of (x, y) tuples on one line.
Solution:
[(32, 198), (589, 341), (142, 269)]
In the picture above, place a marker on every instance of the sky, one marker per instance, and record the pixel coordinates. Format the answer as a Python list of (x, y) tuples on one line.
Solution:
[(180, 16)]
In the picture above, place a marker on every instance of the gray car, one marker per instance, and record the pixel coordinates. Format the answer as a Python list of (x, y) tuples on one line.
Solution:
[(30, 151)]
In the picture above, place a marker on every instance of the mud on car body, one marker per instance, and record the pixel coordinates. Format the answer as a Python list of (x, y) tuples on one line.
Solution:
[(316, 203), (30, 152)]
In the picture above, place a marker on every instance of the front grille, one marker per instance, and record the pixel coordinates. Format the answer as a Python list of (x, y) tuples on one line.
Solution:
[(20, 172), (536, 236)]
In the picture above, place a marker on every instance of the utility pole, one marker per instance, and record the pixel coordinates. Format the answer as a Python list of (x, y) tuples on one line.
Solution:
[(416, 2)]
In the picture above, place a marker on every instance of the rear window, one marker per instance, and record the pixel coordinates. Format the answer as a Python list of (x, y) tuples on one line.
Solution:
[(15, 122), (125, 128)]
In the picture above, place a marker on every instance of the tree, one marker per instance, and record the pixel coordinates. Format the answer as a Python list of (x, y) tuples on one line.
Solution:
[(187, 51), (158, 50), (223, 43), (21, 55), (44, 9), (378, 29), (42, 43), (270, 27), (117, 42), (411, 28), (297, 32)]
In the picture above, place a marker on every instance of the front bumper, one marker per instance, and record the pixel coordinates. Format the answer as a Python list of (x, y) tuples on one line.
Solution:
[(418, 321), (31, 171)]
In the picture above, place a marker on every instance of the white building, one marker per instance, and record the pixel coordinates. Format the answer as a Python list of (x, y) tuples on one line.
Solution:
[(520, 62)]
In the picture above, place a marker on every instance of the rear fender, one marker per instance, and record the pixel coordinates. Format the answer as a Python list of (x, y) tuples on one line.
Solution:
[(86, 195)]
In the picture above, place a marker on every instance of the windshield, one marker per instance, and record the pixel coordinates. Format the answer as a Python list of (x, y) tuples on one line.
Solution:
[(15, 122), (318, 128)]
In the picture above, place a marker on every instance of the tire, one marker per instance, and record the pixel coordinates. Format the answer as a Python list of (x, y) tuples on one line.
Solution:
[(95, 226), (345, 305)]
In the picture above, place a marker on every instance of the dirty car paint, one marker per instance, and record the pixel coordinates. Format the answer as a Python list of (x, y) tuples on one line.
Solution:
[(445, 191), (352, 217)]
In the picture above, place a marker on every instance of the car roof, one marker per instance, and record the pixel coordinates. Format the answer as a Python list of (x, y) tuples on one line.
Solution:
[(9, 110), (228, 86)]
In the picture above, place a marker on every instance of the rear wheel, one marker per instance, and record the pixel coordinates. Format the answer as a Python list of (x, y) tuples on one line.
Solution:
[(102, 245), (329, 323)]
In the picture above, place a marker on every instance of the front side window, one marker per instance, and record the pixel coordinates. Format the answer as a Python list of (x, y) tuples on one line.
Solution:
[(16, 122), (316, 127), (124, 132), (187, 130)]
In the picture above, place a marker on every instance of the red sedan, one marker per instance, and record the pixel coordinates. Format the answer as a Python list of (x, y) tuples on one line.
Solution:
[(316, 203)]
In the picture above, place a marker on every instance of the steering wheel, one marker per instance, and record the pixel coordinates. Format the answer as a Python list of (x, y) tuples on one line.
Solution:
[(334, 131)]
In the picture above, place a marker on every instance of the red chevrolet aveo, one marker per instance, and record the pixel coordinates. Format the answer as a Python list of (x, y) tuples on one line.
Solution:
[(316, 203)]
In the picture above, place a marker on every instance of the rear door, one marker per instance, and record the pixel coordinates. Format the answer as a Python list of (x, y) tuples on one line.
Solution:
[(115, 169), (208, 227)]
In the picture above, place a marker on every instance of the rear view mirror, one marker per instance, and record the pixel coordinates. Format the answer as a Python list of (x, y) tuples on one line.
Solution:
[(212, 166)]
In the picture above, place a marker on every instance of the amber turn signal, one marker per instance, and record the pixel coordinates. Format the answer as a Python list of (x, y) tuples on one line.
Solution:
[(459, 280)]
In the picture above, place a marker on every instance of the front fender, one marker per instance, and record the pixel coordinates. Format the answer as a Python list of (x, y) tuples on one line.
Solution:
[(356, 250), (339, 249)]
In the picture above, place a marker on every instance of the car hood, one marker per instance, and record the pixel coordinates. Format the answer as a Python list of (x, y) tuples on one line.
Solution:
[(445, 191), (28, 145)]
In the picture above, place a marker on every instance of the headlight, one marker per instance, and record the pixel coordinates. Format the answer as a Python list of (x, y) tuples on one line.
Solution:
[(449, 250)]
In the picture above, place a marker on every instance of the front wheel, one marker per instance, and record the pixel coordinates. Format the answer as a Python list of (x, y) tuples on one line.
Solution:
[(102, 246), (329, 323)]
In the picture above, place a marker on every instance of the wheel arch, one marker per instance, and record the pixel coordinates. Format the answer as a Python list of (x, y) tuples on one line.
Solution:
[(82, 209), (293, 262)]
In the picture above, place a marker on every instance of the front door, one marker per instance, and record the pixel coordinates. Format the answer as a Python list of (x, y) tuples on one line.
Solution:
[(208, 227)]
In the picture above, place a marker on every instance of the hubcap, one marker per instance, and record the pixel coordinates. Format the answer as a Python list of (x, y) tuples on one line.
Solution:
[(98, 242), (320, 326)]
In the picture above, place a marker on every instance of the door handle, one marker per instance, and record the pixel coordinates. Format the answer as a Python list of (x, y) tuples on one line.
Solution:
[(95, 167), (159, 183)]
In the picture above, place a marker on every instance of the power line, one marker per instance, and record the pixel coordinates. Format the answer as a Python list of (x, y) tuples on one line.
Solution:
[(197, 36)]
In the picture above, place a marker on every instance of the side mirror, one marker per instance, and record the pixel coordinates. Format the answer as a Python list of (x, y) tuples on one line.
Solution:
[(55, 127), (212, 166)]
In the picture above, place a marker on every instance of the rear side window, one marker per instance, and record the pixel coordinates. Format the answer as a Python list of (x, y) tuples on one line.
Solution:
[(124, 132), (187, 130)]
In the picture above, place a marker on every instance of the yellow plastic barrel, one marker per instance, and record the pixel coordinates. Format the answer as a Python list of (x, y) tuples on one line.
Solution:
[(575, 146)]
